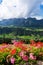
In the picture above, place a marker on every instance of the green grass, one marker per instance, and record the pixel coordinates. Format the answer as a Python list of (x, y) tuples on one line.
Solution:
[(24, 37), (33, 37), (33, 29)]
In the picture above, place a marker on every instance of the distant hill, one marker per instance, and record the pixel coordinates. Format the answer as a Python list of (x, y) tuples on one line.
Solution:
[(22, 22)]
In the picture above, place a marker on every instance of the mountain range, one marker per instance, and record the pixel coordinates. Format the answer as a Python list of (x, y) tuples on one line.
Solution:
[(22, 22)]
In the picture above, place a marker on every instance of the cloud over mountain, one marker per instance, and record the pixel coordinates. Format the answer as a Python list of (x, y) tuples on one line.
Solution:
[(19, 8)]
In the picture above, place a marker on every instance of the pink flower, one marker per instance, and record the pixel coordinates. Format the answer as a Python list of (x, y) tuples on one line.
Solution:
[(12, 60), (32, 56), (14, 42), (38, 46), (21, 53), (25, 58)]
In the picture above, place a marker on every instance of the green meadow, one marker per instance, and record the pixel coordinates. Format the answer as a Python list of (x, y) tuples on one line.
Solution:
[(21, 33)]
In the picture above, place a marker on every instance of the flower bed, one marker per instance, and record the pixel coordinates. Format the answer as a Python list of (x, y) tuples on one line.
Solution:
[(20, 53)]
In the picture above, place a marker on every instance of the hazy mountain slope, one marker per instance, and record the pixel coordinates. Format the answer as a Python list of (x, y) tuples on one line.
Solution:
[(29, 22)]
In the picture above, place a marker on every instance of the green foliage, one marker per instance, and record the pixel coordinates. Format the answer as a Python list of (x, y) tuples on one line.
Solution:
[(24, 33)]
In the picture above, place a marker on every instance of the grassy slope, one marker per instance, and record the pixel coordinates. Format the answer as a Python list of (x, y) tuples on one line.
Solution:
[(24, 36)]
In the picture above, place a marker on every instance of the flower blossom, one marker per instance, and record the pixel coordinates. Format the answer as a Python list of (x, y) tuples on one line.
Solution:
[(32, 57)]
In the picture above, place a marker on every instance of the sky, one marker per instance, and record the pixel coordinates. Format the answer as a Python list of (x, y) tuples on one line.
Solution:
[(21, 9)]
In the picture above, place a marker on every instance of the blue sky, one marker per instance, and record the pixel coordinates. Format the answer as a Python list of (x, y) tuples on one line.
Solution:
[(38, 12), (41, 9), (0, 1), (21, 8)]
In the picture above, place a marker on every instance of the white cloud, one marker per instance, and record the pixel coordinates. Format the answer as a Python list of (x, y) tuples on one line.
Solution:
[(38, 11), (18, 8), (42, 2), (37, 17)]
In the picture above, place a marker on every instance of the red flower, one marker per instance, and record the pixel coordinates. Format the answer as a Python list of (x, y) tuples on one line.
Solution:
[(32, 41), (24, 48), (39, 44), (25, 58), (13, 51)]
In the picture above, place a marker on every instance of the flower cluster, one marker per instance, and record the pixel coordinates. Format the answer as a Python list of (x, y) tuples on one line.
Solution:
[(19, 52)]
